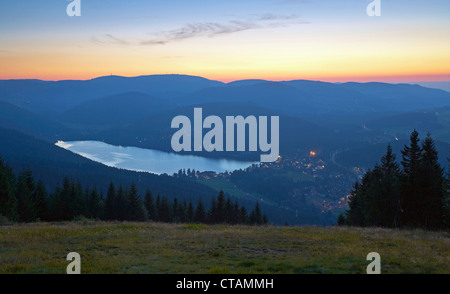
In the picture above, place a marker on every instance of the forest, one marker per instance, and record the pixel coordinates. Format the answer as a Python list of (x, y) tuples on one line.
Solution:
[(412, 194), (22, 199)]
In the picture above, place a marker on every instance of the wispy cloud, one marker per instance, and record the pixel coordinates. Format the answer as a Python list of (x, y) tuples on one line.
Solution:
[(212, 29), (208, 29), (109, 39), (193, 30)]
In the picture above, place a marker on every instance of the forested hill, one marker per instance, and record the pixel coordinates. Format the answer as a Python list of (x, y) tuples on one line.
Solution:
[(51, 164)]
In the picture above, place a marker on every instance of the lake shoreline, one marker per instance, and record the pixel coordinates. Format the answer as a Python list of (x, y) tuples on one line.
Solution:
[(149, 160)]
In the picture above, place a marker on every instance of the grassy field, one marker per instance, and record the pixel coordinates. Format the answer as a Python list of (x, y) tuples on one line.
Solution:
[(192, 248)]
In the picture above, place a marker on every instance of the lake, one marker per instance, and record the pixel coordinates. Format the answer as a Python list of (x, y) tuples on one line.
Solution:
[(148, 160)]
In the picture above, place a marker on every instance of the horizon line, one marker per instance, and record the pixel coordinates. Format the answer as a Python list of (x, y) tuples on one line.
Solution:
[(335, 80)]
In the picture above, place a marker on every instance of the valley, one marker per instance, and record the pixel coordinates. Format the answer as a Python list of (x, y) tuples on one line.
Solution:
[(329, 135)]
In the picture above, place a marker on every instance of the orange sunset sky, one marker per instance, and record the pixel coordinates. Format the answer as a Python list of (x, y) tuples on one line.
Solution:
[(228, 40)]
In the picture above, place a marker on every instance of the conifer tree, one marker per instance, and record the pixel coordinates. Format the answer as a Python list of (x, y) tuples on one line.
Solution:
[(122, 204), (182, 212), (236, 218), (355, 214), (24, 191), (165, 211), (77, 205), (190, 213), (389, 204), (432, 188), (212, 212), (150, 205), (243, 215), (410, 189), (8, 199), (447, 199), (137, 211), (111, 203), (40, 200), (414, 197), (200, 212), (176, 211), (220, 212), (94, 204), (157, 208), (256, 216)]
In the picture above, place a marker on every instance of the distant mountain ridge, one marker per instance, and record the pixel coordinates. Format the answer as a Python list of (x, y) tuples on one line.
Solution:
[(42, 96), (296, 96)]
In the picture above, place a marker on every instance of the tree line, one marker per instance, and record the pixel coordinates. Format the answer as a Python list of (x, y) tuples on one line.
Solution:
[(22, 199), (412, 194)]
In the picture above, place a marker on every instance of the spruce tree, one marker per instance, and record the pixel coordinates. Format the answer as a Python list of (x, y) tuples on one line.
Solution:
[(55, 204), (229, 209), (341, 220), (40, 200), (137, 211), (190, 213), (212, 212), (447, 199), (122, 204), (243, 215), (111, 203), (95, 204), (182, 213), (176, 211), (157, 208), (221, 208), (24, 191), (410, 189), (165, 211), (256, 216), (8, 199), (65, 211), (355, 214), (414, 197), (390, 209), (371, 197), (432, 187), (150, 205), (200, 212), (76, 199), (235, 217)]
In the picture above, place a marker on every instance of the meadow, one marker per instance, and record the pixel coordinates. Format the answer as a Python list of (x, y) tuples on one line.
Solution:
[(150, 248)]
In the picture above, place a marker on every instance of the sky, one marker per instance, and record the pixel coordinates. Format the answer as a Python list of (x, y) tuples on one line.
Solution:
[(228, 40)]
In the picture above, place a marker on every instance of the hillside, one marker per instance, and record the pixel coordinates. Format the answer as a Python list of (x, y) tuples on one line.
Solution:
[(51, 164), (151, 248), (115, 110), (368, 156), (22, 120)]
